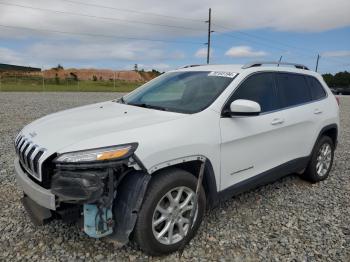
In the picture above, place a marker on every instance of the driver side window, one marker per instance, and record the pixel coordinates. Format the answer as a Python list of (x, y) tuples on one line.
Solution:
[(259, 88)]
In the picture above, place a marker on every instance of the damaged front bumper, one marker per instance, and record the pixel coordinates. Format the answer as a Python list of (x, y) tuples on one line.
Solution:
[(38, 194), (108, 197)]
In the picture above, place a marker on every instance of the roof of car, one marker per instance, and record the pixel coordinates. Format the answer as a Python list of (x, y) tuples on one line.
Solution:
[(212, 67), (257, 66)]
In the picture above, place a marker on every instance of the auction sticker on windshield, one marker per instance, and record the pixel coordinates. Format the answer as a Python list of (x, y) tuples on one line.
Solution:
[(223, 74)]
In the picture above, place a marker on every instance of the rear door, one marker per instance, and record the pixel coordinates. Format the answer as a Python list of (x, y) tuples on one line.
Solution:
[(320, 106), (296, 101)]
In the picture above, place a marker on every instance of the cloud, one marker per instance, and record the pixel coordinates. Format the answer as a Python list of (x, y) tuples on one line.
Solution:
[(287, 15), (9, 56), (244, 51), (337, 53), (50, 53), (178, 21), (201, 53), (127, 51)]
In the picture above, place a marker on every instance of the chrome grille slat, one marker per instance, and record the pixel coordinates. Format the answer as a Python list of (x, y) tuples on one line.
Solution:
[(21, 141), (19, 145), (18, 139), (27, 152), (21, 150), (25, 141), (30, 156), (36, 161), (36, 151)]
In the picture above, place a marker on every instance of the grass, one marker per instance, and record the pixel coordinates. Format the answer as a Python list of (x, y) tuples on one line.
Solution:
[(36, 85)]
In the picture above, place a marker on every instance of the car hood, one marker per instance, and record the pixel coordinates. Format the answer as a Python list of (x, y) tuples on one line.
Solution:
[(59, 130)]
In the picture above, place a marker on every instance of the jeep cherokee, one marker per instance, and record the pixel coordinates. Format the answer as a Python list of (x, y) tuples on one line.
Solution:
[(146, 166)]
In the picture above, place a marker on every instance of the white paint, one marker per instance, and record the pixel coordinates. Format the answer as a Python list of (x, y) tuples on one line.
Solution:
[(231, 144)]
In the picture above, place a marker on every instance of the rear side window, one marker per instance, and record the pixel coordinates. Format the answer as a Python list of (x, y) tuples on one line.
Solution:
[(317, 91), (259, 88), (292, 89)]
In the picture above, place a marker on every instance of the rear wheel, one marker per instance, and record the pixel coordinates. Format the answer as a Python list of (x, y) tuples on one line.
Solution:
[(321, 160), (163, 226)]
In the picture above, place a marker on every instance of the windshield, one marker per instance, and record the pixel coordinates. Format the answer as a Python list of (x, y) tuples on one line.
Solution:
[(184, 92)]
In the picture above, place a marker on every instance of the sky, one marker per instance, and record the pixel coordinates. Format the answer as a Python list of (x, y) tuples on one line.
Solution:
[(165, 35)]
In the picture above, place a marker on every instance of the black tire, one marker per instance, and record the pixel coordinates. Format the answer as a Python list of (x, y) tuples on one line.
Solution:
[(159, 185), (311, 173)]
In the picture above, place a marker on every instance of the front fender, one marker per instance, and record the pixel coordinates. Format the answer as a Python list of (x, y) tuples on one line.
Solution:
[(127, 204)]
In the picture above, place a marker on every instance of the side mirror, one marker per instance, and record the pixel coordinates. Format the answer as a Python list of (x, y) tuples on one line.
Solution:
[(242, 107)]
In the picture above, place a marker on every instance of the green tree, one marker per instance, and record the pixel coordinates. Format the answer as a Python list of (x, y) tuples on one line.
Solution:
[(340, 79), (329, 79), (58, 67)]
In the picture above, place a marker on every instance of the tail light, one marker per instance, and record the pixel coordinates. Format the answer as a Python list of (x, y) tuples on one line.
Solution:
[(338, 100)]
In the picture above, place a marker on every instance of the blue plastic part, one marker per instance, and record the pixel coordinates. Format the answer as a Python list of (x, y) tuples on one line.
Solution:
[(94, 226)]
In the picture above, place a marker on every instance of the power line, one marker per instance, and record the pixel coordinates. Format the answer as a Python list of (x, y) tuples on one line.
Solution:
[(131, 11), (100, 17), (266, 39), (273, 43), (236, 37), (98, 35)]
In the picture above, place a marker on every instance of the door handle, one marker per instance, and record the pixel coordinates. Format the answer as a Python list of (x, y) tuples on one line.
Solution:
[(277, 121), (317, 111)]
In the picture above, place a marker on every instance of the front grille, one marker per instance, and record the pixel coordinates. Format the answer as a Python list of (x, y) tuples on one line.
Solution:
[(29, 155)]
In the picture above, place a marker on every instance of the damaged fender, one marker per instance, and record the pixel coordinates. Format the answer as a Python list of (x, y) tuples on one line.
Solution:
[(127, 204)]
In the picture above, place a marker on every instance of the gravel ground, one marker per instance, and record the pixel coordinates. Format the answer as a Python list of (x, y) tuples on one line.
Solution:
[(288, 220)]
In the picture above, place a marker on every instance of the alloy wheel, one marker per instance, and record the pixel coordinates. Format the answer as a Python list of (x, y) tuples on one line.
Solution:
[(171, 217), (324, 159)]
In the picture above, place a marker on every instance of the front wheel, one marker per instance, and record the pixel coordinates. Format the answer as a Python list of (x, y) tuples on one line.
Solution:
[(163, 222), (321, 160)]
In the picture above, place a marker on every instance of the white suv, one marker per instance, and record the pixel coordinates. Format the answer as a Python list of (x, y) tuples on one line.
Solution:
[(146, 166)]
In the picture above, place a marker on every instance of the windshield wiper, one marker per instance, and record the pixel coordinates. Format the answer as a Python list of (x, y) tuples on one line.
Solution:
[(150, 106), (121, 100)]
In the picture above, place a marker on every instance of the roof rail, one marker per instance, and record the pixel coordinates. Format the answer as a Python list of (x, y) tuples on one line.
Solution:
[(187, 66), (299, 66)]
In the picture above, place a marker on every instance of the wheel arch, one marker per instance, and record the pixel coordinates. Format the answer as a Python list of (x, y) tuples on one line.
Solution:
[(331, 131), (192, 166)]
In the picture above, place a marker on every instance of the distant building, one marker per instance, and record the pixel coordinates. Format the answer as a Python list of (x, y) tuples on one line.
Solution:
[(16, 68)]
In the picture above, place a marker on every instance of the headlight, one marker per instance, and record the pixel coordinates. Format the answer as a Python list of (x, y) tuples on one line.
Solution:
[(99, 154)]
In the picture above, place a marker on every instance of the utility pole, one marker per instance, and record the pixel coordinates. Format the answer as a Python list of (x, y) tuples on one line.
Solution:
[(209, 33), (318, 58)]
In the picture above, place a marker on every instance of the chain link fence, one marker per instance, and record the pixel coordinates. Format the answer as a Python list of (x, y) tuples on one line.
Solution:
[(12, 82)]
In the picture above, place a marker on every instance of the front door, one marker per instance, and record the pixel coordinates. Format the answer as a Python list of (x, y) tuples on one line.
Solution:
[(251, 145)]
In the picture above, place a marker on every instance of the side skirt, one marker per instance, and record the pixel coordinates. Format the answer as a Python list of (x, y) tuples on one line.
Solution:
[(264, 178)]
